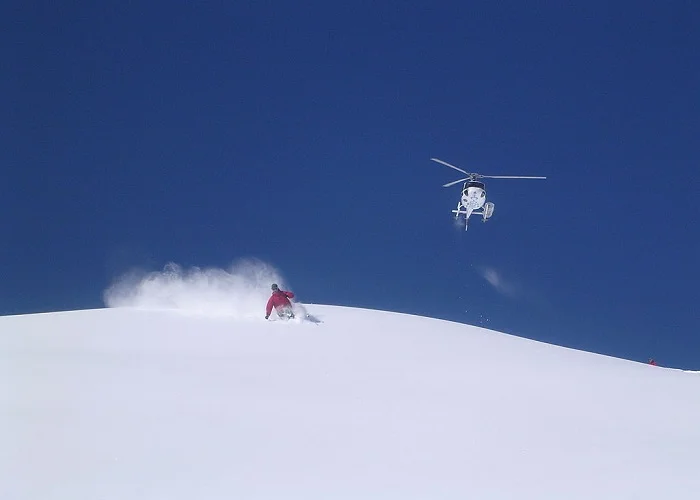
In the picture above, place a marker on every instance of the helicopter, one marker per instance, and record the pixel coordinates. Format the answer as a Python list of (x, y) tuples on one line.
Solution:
[(474, 193)]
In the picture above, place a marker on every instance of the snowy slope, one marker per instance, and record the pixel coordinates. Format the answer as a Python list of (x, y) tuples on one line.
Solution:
[(124, 404)]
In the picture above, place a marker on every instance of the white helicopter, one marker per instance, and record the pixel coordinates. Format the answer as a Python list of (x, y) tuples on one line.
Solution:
[(474, 194)]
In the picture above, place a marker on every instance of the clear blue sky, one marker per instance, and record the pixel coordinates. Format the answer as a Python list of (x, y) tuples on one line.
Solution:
[(300, 133)]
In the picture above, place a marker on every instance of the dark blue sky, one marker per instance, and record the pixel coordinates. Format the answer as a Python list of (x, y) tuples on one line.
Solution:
[(300, 133)]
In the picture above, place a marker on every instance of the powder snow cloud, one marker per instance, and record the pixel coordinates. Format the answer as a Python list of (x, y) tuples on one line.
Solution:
[(495, 279), (512, 289), (240, 291)]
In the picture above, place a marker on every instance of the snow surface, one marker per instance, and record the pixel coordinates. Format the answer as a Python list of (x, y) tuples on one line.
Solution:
[(124, 404)]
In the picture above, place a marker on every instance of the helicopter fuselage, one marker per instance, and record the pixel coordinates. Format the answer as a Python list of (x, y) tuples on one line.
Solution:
[(473, 196)]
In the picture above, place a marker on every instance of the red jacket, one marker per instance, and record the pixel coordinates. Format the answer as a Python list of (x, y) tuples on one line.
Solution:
[(279, 299)]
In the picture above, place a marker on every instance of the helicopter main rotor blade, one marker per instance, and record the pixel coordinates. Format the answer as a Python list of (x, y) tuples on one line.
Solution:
[(451, 166), (511, 177), (455, 182)]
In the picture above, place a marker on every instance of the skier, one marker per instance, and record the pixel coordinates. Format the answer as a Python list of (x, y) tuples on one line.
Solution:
[(280, 301)]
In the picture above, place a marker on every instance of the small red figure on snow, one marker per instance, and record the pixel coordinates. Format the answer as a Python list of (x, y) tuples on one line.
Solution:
[(280, 301), (652, 361)]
